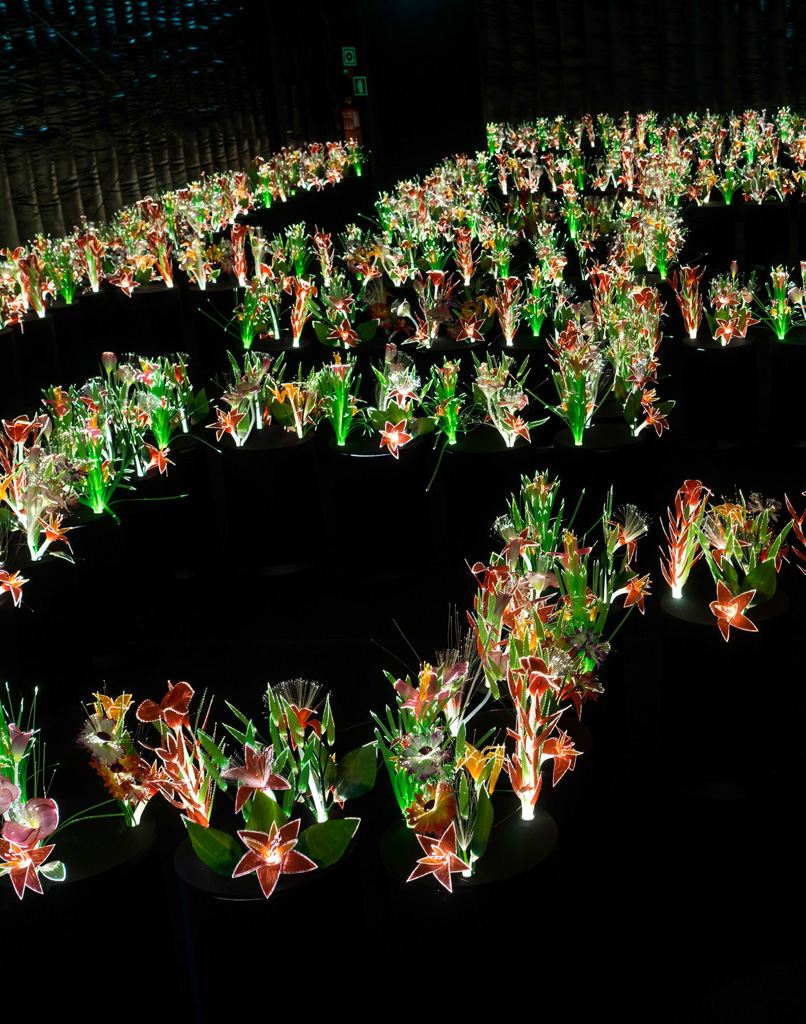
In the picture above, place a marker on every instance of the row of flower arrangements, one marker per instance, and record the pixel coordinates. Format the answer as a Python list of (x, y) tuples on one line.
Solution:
[(538, 634), (671, 159), (183, 227), (88, 444)]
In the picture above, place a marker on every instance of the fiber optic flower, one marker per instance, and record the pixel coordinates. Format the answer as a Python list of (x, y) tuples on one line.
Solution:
[(271, 855), (394, 436), (561, 749), (424, 755), (97, 736), (729, 610), (255, 775), (22, 865), (433, 810), (172, 709), (440, 858), (637, 589), (8, 793), (28, 825)]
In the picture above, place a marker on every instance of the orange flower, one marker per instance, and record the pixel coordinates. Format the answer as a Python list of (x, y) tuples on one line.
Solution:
[(729, 610), (432, 811)]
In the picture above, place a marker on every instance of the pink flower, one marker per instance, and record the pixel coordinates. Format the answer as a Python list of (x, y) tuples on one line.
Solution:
[(8, 793), (19, 741), (35, 822)]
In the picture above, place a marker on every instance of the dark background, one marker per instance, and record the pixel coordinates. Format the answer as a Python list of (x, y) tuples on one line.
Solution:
[(676, 887)]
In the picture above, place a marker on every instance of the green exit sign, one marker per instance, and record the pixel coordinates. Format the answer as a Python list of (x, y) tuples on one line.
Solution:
[(359, 85), (348, 56)]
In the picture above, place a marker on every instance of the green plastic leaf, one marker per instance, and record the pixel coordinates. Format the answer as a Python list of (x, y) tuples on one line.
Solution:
[(55, 871), (295, 730), (238, 714), (326, 842), (366, 330), (483, 824), (763, 579), (265, 812), (356, 772), (321, 331), (239, 736), (218, 850), (328, 725), (213, 749)]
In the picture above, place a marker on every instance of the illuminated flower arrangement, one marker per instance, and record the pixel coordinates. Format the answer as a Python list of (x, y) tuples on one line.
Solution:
[(737, 540), (784, 309), (397, 395), (292, 769), (731, 301), (28, 820), (499, 395), (537, 640)]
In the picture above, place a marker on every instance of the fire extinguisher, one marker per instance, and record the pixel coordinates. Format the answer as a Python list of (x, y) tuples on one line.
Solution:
[(351, 122)]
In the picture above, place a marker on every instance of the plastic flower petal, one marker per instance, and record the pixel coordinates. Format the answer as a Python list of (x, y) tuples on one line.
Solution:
[(440, 858), (432, 811), (729, 610), (31, 823), (561, 748), (637, 590), (172, 709), (272, 854), (22, 865), (255, 775), (8, 793), (393, 436)]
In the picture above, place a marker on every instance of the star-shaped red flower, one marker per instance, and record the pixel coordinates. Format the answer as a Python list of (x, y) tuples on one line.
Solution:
[(394, 436), (255, 775), (22, 865), (271, 855), (637, 589), (729, 610), (440, 858)]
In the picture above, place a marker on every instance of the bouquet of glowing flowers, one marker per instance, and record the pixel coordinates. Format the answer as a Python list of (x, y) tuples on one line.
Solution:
[(114, 756), (442, 781), (397, 396), (731, 301), (28, 821), (292, 770), (245, 394), (537, 642), (499, 394), (35, 488), (784, 308), (738, 541)]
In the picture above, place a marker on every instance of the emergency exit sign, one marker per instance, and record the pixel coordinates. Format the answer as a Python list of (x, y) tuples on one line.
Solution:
[(359, 85)]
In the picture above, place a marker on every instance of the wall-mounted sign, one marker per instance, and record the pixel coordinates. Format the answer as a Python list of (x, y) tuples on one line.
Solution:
[(359, 85), (348, 56)]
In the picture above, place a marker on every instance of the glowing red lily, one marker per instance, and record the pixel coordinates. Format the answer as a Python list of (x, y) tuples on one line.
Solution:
[(271, 855), (394, 436), (637, 590), (729, 610), (440, 858), (255, 775), (22, 865)]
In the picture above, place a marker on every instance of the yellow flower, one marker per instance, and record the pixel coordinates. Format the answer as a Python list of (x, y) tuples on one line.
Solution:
[(476, 762)]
